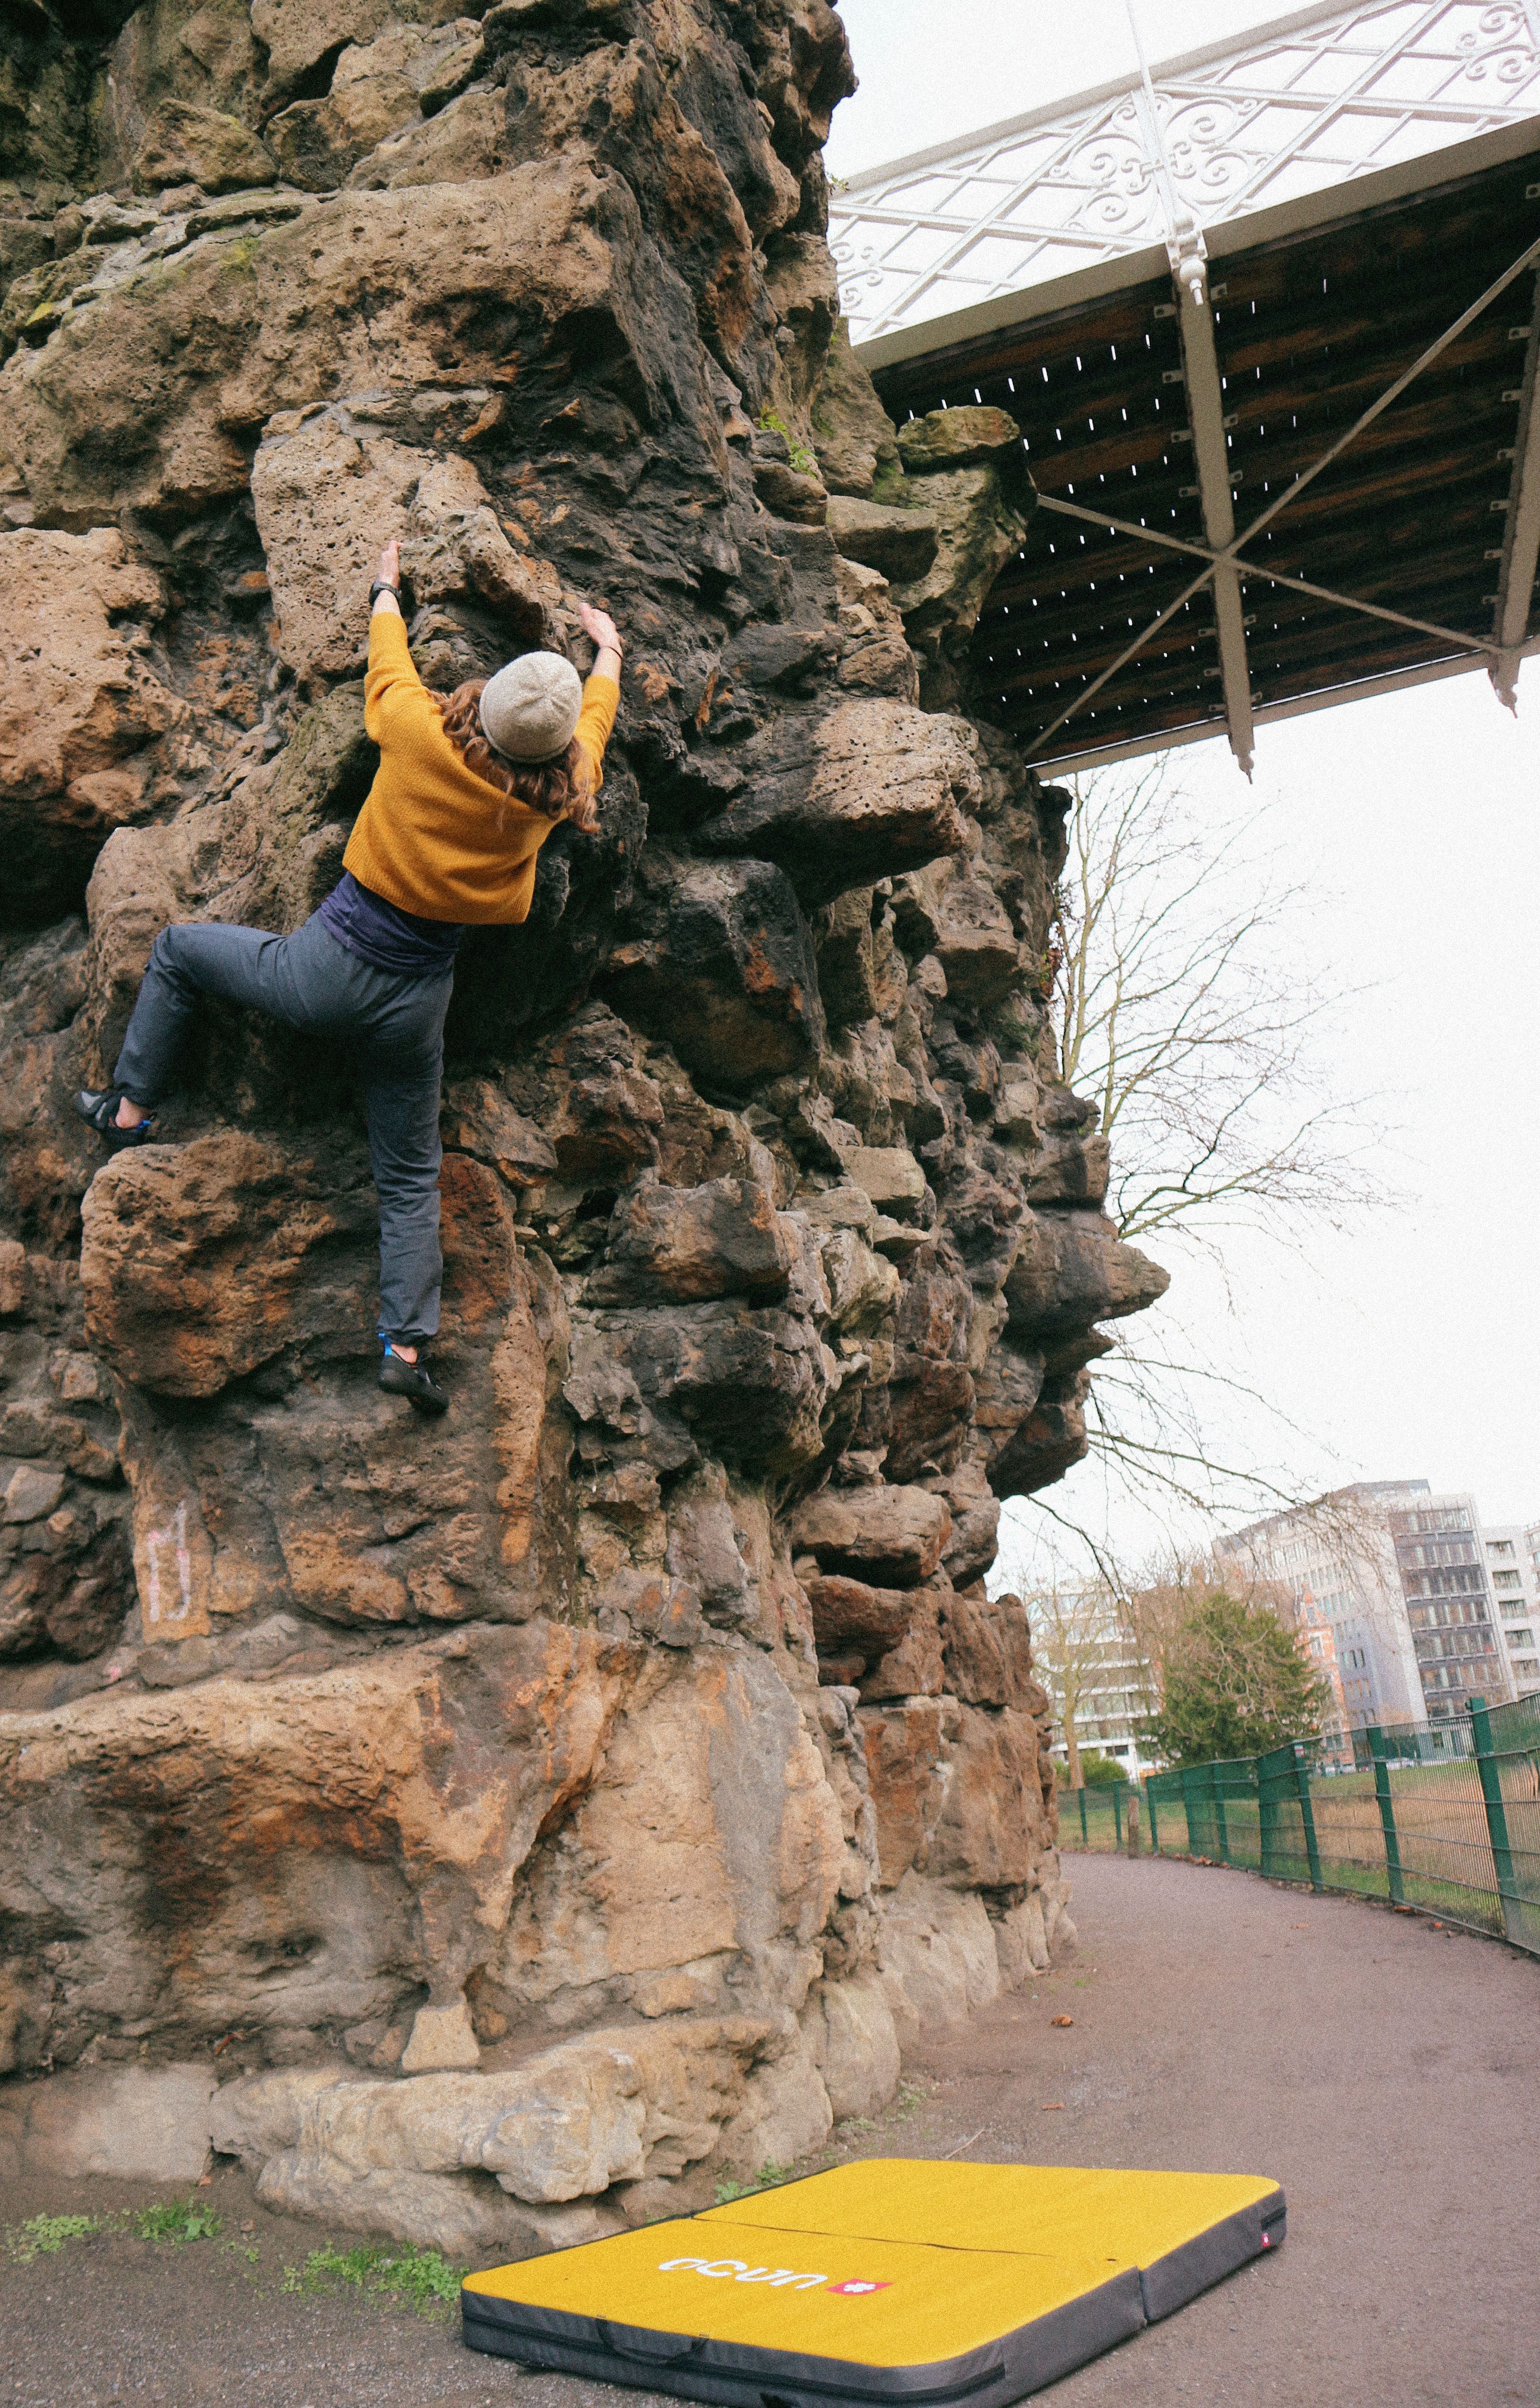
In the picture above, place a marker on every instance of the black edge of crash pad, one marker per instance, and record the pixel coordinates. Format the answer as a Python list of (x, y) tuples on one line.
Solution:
[(1175, 2279), (733, 2374)]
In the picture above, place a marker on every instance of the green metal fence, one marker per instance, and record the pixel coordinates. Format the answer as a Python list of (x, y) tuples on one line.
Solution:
[(1097, 1819), (1442, 1816)]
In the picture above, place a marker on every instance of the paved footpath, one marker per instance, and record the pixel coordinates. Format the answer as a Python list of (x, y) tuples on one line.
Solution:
[(1381, 2069)]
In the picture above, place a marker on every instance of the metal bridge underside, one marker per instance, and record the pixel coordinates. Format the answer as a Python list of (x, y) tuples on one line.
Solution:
[(1428, 514)]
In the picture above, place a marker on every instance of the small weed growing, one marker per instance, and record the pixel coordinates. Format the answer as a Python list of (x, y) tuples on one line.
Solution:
[(418, 2278), (176, 2220), (802, 460), (765, 2179), (42, 2235)]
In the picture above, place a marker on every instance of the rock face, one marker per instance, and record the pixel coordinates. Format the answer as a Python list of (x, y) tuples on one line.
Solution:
[(497, 1829)]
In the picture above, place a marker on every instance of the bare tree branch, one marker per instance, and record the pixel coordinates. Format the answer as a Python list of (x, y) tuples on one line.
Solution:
[(1183, 1002)]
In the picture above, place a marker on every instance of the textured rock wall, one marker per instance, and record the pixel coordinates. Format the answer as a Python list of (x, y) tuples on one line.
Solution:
[(492, 1828)]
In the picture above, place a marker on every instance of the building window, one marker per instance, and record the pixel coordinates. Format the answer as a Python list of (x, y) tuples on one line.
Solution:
[(1506, 1580), (1501, 1548), (1519, 1638)]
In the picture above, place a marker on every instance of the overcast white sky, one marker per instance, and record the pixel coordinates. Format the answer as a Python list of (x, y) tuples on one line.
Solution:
[(1410, 1347), (931, 69)]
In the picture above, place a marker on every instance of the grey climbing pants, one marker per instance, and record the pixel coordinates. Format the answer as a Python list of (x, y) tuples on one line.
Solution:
[(397, 1026)]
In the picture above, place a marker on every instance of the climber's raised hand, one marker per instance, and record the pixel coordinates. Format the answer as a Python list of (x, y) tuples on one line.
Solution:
[(389, 573), (602, 631)]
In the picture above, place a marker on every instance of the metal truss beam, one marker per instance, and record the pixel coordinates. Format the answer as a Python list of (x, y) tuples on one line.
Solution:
[(1211, 453), (1285, 577), (1521, 533), (1306, 477), (1171, 739)]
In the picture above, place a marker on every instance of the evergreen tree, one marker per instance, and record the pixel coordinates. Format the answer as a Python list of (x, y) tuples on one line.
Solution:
[(1235, 1684)]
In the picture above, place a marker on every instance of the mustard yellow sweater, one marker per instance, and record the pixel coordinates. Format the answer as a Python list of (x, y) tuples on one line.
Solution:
[(432, 837)]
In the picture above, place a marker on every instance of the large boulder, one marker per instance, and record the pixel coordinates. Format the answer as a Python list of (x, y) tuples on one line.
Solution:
[(875, 789), (142, 398), (723, 969), (184, 144), (82, 712), (376, 89), (891, 1537), (1071, 1269), (532, 1817), (324, 487), (201, 1262), (678, 1245), (902, 544)]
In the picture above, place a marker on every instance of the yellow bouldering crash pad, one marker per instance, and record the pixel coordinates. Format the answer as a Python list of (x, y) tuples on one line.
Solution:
[(892, 2279)]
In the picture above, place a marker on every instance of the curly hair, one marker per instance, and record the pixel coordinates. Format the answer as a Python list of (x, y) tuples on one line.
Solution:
[(562, 788)]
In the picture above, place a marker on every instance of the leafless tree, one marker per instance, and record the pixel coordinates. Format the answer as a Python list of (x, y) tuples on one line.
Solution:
[(1184, 1005), (1068, 1627), (1082, 1638), (1158, 1607)]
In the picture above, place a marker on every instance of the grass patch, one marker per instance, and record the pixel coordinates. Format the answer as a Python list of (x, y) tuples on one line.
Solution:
[(41, 2236), (420, 2279), (177, 2220)]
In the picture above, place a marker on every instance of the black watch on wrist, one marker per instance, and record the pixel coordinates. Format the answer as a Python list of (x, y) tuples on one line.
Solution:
[(382, 585)]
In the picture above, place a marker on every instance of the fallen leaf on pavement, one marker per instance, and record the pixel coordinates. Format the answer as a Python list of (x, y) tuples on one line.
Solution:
[(1062, 2023), (1052, 2107)]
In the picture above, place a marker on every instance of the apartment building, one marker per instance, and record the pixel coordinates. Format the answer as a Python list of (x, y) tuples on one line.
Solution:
[(1338, 1562), (1080, 1646), (1441, 1559), (1513, 1568)]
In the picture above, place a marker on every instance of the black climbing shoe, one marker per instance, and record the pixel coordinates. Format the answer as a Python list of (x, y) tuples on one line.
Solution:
[(101, 1111), (410, 1380)]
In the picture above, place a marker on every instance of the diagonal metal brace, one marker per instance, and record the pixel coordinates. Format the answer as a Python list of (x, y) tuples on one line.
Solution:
[(1211, 450), (1286, 577)]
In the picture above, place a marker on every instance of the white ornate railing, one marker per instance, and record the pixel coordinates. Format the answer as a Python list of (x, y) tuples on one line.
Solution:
[(1312, 100)]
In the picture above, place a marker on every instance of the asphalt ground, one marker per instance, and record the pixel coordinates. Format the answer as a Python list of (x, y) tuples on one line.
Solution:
[(1381, 2069)]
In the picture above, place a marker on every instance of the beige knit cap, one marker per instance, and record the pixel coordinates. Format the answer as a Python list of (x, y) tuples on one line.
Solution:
[(530, 709)]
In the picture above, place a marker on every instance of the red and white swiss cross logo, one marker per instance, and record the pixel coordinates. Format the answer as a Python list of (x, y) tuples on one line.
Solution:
[(855, 2290)]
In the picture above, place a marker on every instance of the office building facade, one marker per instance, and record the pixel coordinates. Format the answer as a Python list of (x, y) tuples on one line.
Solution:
[(1338, 1564)]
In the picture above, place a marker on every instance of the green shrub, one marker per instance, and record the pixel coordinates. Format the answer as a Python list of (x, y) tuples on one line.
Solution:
[(1101, 1772)]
